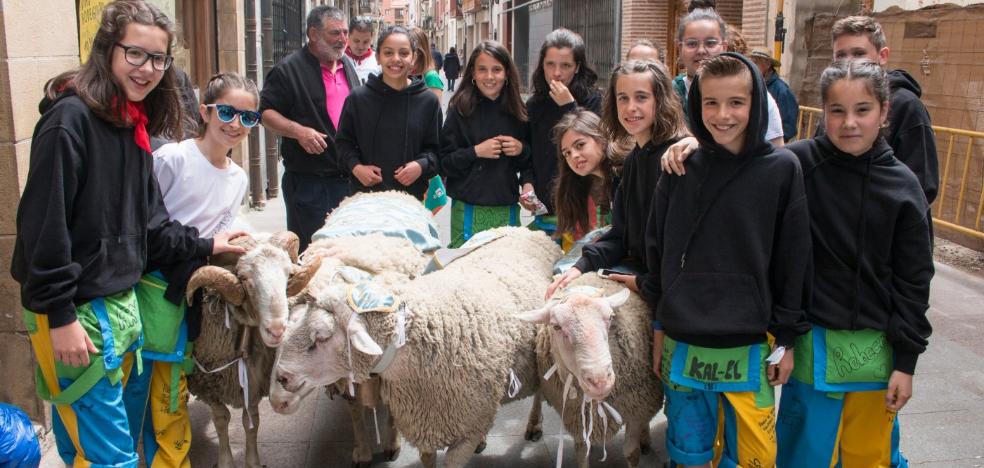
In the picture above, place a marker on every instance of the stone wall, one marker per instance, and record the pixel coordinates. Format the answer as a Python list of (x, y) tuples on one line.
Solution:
[(33, 48)]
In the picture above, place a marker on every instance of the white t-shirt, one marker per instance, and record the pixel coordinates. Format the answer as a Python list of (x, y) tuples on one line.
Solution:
[(196, 193), (774, 129), (365, 68)]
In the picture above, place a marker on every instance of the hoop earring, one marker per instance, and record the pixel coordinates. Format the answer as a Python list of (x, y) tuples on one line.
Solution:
[(473, 80)]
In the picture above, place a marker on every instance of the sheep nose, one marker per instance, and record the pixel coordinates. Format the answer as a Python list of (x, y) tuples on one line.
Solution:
[(284, 378), (276, 329)]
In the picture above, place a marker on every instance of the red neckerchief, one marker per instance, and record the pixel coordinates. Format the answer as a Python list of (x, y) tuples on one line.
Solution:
[(138, 117), (358, 58)]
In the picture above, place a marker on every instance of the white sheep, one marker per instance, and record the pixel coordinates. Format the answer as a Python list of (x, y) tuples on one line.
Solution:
[(244, 308), (599, 337), (462, 342)]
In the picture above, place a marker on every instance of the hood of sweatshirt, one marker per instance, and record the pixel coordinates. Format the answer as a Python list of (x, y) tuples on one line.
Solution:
[(901, 79), (758, 117), (376, 83)]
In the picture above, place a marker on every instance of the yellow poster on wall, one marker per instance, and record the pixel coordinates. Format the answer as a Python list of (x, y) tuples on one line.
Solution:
[(90, 12)]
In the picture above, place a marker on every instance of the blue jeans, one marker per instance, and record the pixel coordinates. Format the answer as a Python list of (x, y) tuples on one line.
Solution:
[(309, 198)]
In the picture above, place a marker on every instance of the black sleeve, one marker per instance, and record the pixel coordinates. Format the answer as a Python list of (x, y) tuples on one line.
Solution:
[(526, 175), (457, 153), (47, 273), (915, 145), (912, 271), (276, 93), (609, 249), (346, 141), (791, 254), (168, 241), (592, 103), (431, 144), (650, 284), (525, 159)]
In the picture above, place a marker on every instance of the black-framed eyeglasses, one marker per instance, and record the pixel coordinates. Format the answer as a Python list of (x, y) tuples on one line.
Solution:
[(137, 56), (227, 114)]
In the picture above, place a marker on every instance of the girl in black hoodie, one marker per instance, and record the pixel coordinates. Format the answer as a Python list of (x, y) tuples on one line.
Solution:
[(640, 105), (483, 144), (727, 249), (90, 219), (872, 266), (389, 129)]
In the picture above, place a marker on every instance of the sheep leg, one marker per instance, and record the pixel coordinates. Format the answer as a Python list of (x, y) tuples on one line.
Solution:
[(581, 452), (645, 441), (461, 451), (428, 459), (220, 418), (534, 424), (252, 450), (362, 452), (391, 443), (634, 430)]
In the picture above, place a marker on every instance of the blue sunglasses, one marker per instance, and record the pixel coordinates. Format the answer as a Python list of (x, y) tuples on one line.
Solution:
[(227, 114)]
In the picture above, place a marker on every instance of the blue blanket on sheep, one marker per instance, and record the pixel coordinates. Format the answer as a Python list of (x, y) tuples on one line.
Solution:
[(387, 213)]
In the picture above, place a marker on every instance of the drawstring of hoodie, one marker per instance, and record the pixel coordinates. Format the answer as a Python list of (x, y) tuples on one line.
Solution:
[(859, 240), (703, 211)]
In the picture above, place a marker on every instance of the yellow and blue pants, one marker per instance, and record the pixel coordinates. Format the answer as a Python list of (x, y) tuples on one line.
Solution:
[(89, 419), (827, 420), (832, 430), (735, 427), (160, 396)]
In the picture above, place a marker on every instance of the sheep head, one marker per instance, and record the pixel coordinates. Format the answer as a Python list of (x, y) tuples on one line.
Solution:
[(257, 282), (316, 350), (579, 325)]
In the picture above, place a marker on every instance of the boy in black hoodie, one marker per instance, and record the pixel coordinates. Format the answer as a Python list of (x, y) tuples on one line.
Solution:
[(873, 262), (910, 131), (727, 252), (388, 136)]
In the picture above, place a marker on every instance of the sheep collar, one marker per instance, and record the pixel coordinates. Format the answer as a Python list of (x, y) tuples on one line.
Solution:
[(399, 339), (589, 291)]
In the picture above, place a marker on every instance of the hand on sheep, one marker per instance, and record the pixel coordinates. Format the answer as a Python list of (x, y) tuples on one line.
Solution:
[(527, 204), (408, 173), (220, 243), (658, 336), (899, 390), (71, 345), (628, 280), (367, 175), (561, 281), (779, 373), (510, 145), (675, 155), (489, 149)]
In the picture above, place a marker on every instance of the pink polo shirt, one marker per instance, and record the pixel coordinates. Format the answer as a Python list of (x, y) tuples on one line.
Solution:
[(336, 90)]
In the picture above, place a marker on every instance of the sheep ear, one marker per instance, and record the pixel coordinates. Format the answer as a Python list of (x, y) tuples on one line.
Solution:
[(361, 339), (537, 316), (616, 300)]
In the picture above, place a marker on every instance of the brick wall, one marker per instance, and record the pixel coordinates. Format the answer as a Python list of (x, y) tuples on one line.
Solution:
[(731, 11), (755, 19), (645, 19)]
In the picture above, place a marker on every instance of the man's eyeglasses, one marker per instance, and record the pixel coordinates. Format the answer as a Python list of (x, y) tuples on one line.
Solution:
[(227, 114), (137, 56), (709, 44)]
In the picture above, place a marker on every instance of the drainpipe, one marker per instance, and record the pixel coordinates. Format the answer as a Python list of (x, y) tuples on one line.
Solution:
[(254, 159), (272, 157), (780, 38)]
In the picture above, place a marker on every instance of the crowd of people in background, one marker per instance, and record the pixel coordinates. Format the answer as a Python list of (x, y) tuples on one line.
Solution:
[(752, 254)]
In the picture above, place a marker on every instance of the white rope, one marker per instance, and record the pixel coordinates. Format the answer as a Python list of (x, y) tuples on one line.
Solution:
[(514, 384), (375, 422), (244, 383), (563, 410), (586, 429), (401, 326), (550, 372), (604, 433), (228, 308)]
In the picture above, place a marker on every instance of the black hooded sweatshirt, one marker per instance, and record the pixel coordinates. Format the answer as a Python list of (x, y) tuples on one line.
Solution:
[(91, 215), (872, 250), (625, 241), (482, 181), (544, 113), (910, 132), (384, 127), (728, 245)]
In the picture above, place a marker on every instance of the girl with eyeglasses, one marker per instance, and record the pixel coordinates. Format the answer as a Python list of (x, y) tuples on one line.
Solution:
[(90, 219), (202, 188)]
